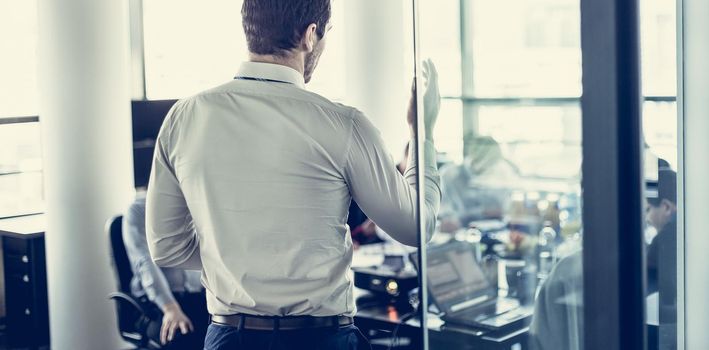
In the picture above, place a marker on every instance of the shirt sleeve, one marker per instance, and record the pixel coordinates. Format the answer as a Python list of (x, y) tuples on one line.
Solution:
[(383, 194), (172, 238), (151, 278)]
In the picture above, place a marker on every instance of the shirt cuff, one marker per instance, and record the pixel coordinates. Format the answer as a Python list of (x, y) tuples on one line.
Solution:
[(429, 157), (162, 300)]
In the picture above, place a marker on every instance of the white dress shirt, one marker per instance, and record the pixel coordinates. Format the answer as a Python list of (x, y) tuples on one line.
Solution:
[(251, 182)]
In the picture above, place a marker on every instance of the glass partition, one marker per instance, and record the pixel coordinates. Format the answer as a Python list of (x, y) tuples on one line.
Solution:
[(503, 269)]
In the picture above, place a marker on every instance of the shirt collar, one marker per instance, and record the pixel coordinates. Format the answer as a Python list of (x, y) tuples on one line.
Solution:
[(273, 72)]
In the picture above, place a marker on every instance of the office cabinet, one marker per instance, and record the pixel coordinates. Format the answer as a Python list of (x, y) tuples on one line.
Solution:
[(27, 314)]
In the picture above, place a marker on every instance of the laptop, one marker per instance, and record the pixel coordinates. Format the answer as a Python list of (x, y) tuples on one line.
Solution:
[(462, 292)]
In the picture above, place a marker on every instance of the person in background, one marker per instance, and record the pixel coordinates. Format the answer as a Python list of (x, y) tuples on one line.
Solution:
[(558, 309), (475, 189), (661, 213), (178, 294)]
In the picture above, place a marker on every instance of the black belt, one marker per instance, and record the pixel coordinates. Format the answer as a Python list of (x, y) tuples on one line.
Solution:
[(269, 323)]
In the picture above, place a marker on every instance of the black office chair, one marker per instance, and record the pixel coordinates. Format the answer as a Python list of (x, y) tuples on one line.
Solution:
[(133, 314)]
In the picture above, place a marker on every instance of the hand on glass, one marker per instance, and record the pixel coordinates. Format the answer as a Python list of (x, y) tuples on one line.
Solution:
[(172, 320), (431, 100)]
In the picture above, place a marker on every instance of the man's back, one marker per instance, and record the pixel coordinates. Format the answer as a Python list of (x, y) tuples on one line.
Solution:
[(267, 171)]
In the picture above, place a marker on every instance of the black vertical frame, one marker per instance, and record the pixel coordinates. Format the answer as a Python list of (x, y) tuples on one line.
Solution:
[(613, 251), (422, 312)]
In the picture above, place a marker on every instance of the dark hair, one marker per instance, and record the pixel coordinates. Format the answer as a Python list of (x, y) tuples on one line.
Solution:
[(655, 202), (274, 27), (666, 187)]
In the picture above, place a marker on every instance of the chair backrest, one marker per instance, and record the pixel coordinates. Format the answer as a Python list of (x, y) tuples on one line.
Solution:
[(119, 257), (127, 316)]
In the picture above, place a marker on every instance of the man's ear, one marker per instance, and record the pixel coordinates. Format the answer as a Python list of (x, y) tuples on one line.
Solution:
[(667, 205), (310, 38)]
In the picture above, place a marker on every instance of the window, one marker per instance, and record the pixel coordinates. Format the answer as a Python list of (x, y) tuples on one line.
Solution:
[(20, 169), (525, 48), (193, 46), (18, 44), (525, 83), (20, 148)]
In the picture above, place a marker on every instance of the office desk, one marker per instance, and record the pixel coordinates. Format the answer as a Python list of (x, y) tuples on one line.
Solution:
[(25, 271), (378, 320)]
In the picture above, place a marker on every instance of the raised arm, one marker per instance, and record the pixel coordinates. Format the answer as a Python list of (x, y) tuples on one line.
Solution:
[(385, 196)]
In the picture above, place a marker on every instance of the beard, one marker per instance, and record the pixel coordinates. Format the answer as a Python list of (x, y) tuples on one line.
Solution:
[(311, 62)]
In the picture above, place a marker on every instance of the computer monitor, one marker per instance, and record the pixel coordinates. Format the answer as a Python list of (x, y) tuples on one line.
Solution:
[(147, 120)]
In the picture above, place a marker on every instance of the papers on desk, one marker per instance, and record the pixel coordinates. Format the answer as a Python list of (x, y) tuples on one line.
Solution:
[(367, 260), (373, 254)]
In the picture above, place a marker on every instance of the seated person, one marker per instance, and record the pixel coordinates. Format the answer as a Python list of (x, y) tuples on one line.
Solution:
[(474, 190), (558, 311), (178, 294), (661, 213)]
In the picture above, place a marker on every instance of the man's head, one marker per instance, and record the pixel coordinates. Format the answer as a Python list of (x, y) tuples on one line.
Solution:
[(662, 204), (287, 28), (481, 153)]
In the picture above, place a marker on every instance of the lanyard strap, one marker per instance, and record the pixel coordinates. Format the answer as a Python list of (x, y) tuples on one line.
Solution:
[(261, 79)]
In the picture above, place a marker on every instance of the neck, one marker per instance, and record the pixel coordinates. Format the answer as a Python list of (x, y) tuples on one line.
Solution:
[(294, 61)]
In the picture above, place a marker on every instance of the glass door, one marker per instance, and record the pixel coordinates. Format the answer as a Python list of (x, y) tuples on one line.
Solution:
[(504, 267)]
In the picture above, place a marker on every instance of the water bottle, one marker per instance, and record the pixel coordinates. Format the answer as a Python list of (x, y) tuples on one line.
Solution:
[(546, 250)]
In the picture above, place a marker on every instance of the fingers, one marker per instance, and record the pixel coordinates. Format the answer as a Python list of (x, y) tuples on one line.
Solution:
[(163, 331), (184, 327), (171, 331), (429, 73), (433, 72)]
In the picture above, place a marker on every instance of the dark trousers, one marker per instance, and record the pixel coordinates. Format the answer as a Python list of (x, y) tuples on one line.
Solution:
[(220, 337), (194, 305)]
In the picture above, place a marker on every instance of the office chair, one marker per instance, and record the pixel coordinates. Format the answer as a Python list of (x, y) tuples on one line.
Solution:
[(133, 315)]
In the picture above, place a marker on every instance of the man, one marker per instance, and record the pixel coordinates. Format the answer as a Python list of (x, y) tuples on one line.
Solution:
[(558, 310), (476, 189), (252, 180), (178, 294), (661, 213)]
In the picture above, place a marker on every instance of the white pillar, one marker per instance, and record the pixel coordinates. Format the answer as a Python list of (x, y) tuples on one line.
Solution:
[(379, 61), (693, 104), (85, 120)]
